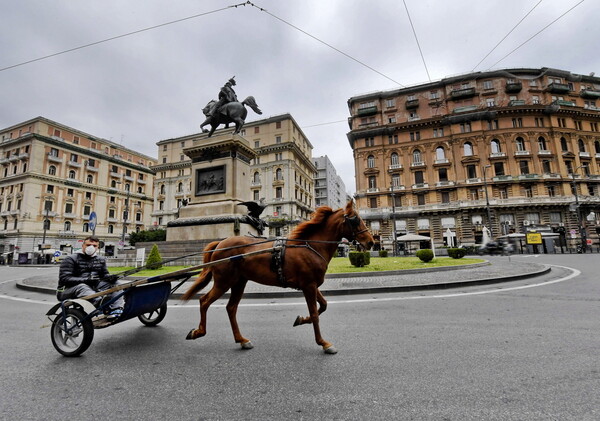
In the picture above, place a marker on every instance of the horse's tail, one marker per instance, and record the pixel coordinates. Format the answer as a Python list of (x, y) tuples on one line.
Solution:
[(205, 276), (251, 102)]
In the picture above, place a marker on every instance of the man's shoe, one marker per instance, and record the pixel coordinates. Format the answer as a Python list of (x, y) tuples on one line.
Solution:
[(115, 314)]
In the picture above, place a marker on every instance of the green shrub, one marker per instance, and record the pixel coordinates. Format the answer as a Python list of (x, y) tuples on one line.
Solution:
[(359, 258), (154, 260), (383, 253), (457, 253), (426, 255)]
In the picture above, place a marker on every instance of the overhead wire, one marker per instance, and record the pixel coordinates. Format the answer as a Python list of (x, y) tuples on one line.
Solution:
[(506, 36), (417, 39)]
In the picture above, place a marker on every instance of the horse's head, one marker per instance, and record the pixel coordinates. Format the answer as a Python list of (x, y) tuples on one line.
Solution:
[(355, 228), (206, 109)]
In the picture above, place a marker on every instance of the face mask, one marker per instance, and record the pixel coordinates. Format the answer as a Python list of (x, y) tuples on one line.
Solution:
[(90, 250)]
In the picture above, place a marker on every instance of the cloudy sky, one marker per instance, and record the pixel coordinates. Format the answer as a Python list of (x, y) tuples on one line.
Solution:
[(305, 57)]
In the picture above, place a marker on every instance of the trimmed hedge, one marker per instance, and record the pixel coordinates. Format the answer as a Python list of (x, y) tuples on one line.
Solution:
[(383, 253), (426, 255), (457, 253), (359, 258)]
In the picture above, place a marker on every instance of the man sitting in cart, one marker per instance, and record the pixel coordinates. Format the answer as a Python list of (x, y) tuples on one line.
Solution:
[(85, 273)]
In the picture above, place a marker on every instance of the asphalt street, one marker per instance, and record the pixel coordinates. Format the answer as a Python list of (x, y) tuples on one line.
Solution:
[(523, 350)]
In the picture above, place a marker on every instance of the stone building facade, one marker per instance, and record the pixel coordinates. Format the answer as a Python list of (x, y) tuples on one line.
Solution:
[(53, 177), (512, 150)]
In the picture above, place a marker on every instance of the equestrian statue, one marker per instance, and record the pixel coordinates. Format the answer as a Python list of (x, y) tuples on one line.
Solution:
[(227, 109)]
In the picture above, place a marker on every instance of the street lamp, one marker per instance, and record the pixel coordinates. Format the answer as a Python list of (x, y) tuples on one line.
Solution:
[(487, 200), (393, 219), (582, 232), (125, 215), (45, 221)]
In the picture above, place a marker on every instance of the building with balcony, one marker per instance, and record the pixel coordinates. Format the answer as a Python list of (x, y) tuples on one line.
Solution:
[(330, 189), (282, 173), (52, 177), (524, 141)]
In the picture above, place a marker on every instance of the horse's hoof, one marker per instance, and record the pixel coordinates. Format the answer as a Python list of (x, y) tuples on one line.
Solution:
[(298, 321), (190, 335), (247, 345), (330, 350)]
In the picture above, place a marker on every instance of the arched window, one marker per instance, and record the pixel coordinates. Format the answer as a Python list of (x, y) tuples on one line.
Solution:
[(581, 145), (597, 146), (370, 161), (417, 156), (72, 174), (495, 144), (563, 145), (46, 224), (127, 187), (468, 149), (542, 144), (256, 178), (440, 153), (394, 159), (90, 179), (520, 144), (113, 184), (138, 216), (180, 188), (67, 225), (140, 189), (111, 229), (52, 170), (162, 189), (278, 174), (86, 227)]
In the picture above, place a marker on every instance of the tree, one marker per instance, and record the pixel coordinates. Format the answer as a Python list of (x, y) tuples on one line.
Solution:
[(147, 236), (154, 260)]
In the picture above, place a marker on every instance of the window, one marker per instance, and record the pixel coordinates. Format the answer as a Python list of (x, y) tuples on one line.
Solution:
[(440, 154), (419, 177), (393, 140), (503, 192), (390, 103), (578, 125), (74, 157), (535, 99), (542, 144), (551, 191), (72, 174), (421, 200), (68, 208), (465, 127), (524, 167), (569, 165), (597, 146), (493, 125), (277, 139), (562, 122), (279, 174), (52, 170), (395, 160), (369, 141), (488, 84), (370, 161), (415, 136), (86, 227), (256, 130), (417, 157), (594, 127), (391, 119), (90, 178), (490, 102), (445, 197), (373, 202), (50, 189), (86, 210), (471, 171), (495, 145), (546, 167), (498, 168), (517, 122), (474, 194), (138, 216), (581, 145), (528, 191), (439, 132), (279, 156), (53, 152), (256, 178), (443, 174), (520, 144), (278, 192), (539, 122), (88, 195), (395, 180), (468, 149), (533, 217), (434, 95), (111, 229), (564, 145), (67, 225), (372, 182)]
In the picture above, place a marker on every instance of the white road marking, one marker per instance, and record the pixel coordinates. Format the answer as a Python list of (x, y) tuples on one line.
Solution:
[(496, 289)]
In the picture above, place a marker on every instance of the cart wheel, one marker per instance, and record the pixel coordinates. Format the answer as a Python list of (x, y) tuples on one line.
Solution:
[(154, 317), (72, 332)]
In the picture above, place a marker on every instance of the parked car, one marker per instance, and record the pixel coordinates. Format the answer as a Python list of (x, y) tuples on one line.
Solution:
[(496, 247)]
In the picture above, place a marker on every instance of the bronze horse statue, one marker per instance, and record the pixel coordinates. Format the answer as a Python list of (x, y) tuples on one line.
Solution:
[(308, 251), (232, 112)]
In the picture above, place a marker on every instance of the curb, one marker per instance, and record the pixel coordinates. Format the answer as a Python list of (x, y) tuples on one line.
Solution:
[(291, 293)]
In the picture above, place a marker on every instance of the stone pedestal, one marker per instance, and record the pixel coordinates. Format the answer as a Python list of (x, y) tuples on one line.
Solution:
[(220, 181)]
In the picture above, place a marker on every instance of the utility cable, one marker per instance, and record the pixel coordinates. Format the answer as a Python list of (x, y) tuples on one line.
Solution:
[(119, 36), (506, 36), (417, 39), (536, 34), (326, 44)]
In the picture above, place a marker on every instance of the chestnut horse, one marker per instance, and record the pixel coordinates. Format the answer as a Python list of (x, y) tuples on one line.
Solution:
[(308, 250)]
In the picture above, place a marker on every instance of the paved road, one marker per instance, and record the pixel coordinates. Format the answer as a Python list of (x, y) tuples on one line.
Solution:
[(487, 352)]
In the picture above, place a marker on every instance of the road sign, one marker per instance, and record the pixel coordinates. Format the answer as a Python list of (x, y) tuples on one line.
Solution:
[(93, 220), (534, 238), (57, 253)]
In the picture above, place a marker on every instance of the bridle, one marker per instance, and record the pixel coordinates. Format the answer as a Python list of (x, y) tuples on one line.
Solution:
[(354, 222)]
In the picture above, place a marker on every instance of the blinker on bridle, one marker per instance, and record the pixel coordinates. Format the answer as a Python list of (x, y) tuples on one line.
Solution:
[(354, 222)]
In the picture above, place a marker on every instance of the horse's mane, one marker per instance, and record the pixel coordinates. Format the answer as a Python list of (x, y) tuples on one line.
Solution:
[(306, 229)]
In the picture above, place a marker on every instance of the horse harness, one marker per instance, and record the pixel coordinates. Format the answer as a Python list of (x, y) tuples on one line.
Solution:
[(354, 222), (278, 257)]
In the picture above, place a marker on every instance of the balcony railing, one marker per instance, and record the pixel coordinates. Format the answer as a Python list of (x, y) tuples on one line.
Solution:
[(590, 93), (444, 183), (544, 152), (74, 164), (565, 103), (395, 167), (54, 158), (473, 180), (516, 102), (90, 168), (584, 154), (522, 153), (373, 190), (551, 176), (411, 104), (529, 177), (116, 174), (558, 88), (417, 164), (462, 93), (513, 87), (366, 111), (441, 161), (497, 155), (420, 186)]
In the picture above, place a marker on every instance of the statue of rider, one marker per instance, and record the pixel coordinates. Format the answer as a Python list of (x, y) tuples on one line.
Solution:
[(226, 95)]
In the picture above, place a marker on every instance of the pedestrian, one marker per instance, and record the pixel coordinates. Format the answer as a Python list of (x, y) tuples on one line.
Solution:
[(85, 273)]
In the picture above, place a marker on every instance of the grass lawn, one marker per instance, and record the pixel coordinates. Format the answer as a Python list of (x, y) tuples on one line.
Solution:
[(342, 265)]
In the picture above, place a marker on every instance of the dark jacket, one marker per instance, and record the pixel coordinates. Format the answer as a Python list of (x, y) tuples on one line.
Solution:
[(79, 268)]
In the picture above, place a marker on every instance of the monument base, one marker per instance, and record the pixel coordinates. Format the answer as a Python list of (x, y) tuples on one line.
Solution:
[(209, 228)]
